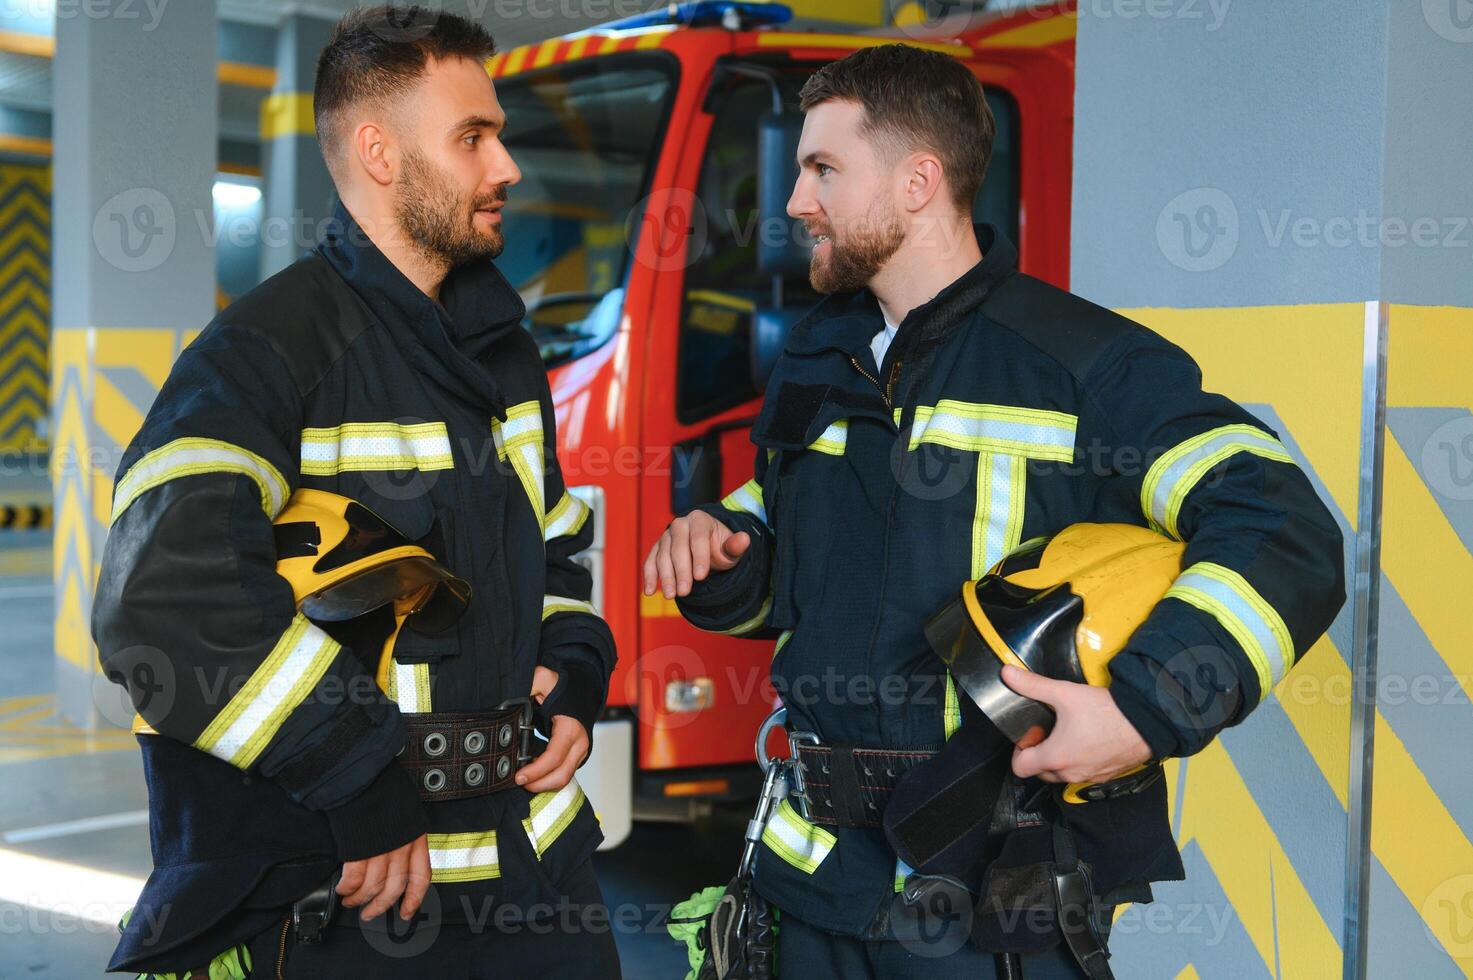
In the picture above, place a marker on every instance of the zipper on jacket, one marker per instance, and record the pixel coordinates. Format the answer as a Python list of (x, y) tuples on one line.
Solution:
[(891, 381), (884, 392)]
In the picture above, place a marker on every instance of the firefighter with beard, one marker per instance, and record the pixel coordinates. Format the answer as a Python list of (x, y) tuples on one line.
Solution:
[(305, 821), (935, 412)]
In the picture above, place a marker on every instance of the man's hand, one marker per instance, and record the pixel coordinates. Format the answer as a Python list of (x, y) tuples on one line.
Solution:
[(382, 880), (1092, 742), (567, 746), (690, 547)]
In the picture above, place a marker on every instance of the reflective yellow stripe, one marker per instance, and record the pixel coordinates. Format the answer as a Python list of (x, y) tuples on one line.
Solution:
[(359, 446), (519, 440), (283, 680), (833, 439), (194, 455), (1174, 475), (997, 523), (550, 814), (747, 499), (952, 713), (795, 840), (566, 519), (1259, 629), (781, 642), (409, 687), (463, 857), (554, 604), (1032, 432)]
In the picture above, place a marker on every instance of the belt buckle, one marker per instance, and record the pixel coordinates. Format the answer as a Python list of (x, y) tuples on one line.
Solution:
[(800, 788), (525, 727)]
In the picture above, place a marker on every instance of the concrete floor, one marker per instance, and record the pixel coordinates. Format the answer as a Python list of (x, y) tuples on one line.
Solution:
[(74, 840)]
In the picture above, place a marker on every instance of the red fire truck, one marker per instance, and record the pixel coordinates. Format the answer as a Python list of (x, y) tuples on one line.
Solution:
[(649, 239)]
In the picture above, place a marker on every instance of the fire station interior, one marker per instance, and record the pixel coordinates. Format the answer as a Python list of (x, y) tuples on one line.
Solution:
[(1279, 189)]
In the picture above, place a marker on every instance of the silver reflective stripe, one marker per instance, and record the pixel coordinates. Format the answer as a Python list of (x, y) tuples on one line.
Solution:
[(1257, 626), (1181, 468), (464, 857), (283, 680), (360, 446), (1032, 432), (550, 814), (191, 456), (747, 499), (795, 840), (566, 518), (553, 604)]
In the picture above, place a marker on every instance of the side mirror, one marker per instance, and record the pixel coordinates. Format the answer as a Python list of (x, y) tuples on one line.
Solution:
[(783, 248)]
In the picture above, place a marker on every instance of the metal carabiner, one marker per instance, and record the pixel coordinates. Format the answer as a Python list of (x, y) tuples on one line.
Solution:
[(777, 719), (799, 789)]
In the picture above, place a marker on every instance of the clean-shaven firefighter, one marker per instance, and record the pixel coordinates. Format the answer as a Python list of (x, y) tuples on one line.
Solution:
[(934, 413), (389, 367)]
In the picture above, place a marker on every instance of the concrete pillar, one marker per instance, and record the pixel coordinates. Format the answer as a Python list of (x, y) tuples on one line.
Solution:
[(298, 190), (134, 274), (1282, 189)]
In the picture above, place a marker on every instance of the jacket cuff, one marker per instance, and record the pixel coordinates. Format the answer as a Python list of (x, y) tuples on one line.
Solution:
[(1152, 724), (386, 815), (718, 601), (580, 693)]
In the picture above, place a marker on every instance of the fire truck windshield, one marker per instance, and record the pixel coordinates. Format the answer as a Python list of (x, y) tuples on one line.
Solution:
[(585, 135)]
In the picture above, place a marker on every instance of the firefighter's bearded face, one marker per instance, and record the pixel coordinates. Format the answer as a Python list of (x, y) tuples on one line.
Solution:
[(454, 172), (845, 197)]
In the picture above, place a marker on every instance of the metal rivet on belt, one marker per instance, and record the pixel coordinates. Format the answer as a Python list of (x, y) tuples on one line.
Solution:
[(435, 744), (503, 736), (434, 780), (503, 766), (474, 742), (475, 774)]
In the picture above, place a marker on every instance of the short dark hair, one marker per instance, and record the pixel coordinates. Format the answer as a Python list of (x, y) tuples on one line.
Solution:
[(376, 54), (915, 98)]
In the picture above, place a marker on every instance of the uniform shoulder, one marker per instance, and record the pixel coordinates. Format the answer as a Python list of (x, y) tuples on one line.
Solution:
[(1069, 329), (305, 313)]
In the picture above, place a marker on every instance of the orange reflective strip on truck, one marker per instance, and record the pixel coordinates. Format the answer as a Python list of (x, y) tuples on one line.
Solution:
[(557, 51)]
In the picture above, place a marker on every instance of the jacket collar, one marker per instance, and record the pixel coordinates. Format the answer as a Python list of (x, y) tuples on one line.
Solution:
[(477, 305), (849, 321), (445, 339)]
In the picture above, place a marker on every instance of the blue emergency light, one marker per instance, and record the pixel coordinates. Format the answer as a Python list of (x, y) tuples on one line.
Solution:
[(706, 13)]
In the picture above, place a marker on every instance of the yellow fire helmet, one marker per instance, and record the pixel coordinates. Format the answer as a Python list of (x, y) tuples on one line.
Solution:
[(343, 561), (1061, 607)]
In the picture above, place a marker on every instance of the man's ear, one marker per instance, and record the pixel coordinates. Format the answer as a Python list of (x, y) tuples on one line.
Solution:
[(375, 152), (922, 174)]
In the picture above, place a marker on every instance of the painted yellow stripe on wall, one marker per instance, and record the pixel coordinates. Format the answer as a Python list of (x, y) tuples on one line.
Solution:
[(1227, 343), (1421, 554), (287, 114), (1429, 349), (1433, 864), (1316, 697), (1257, 877)]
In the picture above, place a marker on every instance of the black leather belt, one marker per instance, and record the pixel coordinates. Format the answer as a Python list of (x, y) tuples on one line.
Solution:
[(453, 755), (846, 786)]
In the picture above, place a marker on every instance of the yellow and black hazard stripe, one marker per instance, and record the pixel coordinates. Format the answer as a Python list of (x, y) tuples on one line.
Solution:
[(24, 517)]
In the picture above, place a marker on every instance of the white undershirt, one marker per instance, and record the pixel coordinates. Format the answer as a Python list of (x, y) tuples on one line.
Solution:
[(881, 343)]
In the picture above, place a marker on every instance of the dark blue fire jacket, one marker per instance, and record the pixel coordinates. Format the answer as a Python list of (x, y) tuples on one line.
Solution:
[(1006, 409), (272, 764)]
